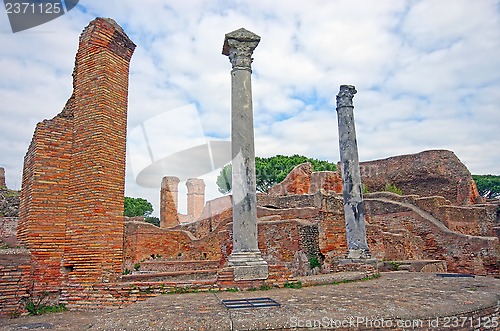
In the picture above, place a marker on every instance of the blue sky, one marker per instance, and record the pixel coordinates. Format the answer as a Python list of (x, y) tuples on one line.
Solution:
[(427, 75)]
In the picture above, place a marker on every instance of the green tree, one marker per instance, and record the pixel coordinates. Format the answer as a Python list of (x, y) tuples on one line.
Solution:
[(272, 170), (488, 185), (137, 207)]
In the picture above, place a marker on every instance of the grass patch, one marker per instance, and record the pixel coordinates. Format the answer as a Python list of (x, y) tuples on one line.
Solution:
[(346, 281), (232, 289), (39, 309), (295, 285), (183, 290), (392, 188), (265, 287), (394, 265)]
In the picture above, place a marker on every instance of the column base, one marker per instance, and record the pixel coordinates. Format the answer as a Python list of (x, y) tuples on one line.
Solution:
[(358, 254), (248, 266)]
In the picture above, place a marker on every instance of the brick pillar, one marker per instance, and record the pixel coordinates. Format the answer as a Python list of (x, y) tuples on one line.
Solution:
[(169, 200), (2, 177), (195, 198), (94, 229)]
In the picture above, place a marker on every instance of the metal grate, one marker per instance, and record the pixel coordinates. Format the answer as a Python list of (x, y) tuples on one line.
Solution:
[(455, 275), (250, 303)]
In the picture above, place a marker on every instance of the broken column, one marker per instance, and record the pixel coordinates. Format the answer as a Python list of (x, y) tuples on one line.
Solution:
[(357, 247), (245, 258), (169, 198), (195, 198), (2, 177)]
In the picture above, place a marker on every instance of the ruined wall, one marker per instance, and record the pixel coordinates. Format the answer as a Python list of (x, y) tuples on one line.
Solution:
[(71, 212), (429, 173), (298, 181), (15, 283), (44, 199), (397, 231), (144, 239), (2, 177), (94, 229)]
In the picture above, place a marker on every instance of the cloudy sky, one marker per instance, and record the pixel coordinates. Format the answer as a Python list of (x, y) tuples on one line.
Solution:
[(427, 74)]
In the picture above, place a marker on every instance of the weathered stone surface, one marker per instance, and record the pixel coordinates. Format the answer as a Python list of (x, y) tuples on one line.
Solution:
[(429, 173), (2, 177), (298, 181), (239, 46), (9, 202), (330, 181), (8, 229), (351, 179)]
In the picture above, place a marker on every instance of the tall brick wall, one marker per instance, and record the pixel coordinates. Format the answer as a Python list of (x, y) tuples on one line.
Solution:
[(71, 211), (94, 229)]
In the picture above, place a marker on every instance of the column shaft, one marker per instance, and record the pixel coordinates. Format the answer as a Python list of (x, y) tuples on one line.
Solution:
[(245, 257), (357, 247)]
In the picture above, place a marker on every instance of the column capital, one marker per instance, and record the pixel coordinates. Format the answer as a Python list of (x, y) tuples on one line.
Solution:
[(239, 46), (345, 96)]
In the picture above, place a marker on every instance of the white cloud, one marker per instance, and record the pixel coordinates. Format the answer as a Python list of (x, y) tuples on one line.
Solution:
[(425, 71)]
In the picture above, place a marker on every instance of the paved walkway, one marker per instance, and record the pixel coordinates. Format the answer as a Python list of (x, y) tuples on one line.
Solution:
[(397, 296)]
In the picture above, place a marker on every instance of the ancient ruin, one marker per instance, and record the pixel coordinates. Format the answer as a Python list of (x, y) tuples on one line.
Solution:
[(72, 244), (245, 257), (354, 208), (2, 177), (71, 212)]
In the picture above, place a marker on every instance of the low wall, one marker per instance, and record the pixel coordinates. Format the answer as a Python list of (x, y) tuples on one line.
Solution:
[(15, 281)]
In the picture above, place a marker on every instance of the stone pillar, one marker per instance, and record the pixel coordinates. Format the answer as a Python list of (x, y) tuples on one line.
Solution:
[(195, 198), (354, 211), (245, 258), (169, 200), (2, 177)]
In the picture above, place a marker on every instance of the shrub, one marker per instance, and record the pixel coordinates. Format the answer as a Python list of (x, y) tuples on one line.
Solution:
[(392, 188)]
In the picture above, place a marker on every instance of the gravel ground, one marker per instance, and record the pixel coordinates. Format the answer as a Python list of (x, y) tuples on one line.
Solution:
[(396, 295)]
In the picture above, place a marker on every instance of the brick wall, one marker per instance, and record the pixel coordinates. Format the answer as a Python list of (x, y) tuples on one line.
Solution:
[(15, 281), (71, 212), (44, 199), (169, 200), (398, 233), (94, 230)]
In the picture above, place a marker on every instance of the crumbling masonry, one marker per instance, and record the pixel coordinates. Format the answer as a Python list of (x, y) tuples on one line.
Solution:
[(80, 249), (71, 212)]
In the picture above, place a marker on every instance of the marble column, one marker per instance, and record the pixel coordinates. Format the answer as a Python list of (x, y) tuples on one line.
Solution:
[(354, 211), (245, 258)]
